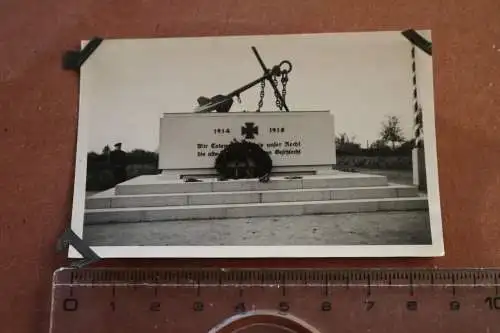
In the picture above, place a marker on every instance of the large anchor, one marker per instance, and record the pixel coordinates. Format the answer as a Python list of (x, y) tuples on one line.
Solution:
[(222, 103)]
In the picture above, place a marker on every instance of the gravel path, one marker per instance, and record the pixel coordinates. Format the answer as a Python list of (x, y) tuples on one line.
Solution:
[(381, 228)]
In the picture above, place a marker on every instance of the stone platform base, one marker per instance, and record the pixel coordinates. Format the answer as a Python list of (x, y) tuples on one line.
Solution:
[(154, 198), (276, 171)]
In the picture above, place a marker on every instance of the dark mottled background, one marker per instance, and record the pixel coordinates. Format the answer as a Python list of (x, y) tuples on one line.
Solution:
[(38, 103)]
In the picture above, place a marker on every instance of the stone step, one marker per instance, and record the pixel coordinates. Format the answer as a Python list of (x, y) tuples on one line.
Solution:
[(156, 184), (148, 214), (109, 200)]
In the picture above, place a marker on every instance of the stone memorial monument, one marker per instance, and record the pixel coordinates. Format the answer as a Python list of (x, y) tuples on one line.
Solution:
[(300, 142)]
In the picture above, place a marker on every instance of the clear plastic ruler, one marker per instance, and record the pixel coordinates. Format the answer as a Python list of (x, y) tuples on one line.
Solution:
[(285, 300)]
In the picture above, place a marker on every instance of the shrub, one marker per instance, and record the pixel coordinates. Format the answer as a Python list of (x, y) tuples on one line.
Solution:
[(374, 162)]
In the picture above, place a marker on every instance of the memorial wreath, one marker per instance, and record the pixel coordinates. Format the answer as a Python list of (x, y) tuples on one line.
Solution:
[(243, 159)]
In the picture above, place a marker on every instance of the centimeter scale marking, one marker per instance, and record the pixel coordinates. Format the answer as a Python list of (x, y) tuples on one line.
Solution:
[(246, 300)]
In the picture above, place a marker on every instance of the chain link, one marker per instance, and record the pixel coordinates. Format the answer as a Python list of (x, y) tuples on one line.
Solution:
[(278, 101), (261, 95), (284, 81)]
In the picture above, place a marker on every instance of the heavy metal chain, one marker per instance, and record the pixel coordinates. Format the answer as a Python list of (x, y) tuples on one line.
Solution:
[(261, 95), (278, 101), (284, 81)]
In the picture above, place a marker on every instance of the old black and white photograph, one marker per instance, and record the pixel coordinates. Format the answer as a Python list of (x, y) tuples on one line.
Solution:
[(293, 145)]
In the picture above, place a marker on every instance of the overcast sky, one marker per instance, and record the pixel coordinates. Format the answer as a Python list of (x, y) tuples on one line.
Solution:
[(360, 77)]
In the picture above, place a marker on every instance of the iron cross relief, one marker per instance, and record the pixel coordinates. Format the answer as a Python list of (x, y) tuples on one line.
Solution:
[(249, 130)]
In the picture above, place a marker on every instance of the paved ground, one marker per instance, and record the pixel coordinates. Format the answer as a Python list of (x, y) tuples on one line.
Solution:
[(381, 228), (403, 177)]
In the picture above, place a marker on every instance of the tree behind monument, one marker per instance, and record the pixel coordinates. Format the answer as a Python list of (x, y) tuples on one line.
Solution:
[(392, 132)]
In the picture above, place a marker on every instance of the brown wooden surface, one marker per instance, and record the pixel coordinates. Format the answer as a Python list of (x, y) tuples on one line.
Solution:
[(38, 104)]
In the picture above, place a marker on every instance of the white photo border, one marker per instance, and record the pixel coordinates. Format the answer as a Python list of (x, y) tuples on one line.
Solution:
[(435, 249)]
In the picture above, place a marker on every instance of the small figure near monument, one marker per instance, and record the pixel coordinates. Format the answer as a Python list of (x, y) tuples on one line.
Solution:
[(118, 160)]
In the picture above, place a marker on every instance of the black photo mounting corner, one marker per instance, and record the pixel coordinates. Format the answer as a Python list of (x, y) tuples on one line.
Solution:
[(70, 238), (73, 60), (418, 40)]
